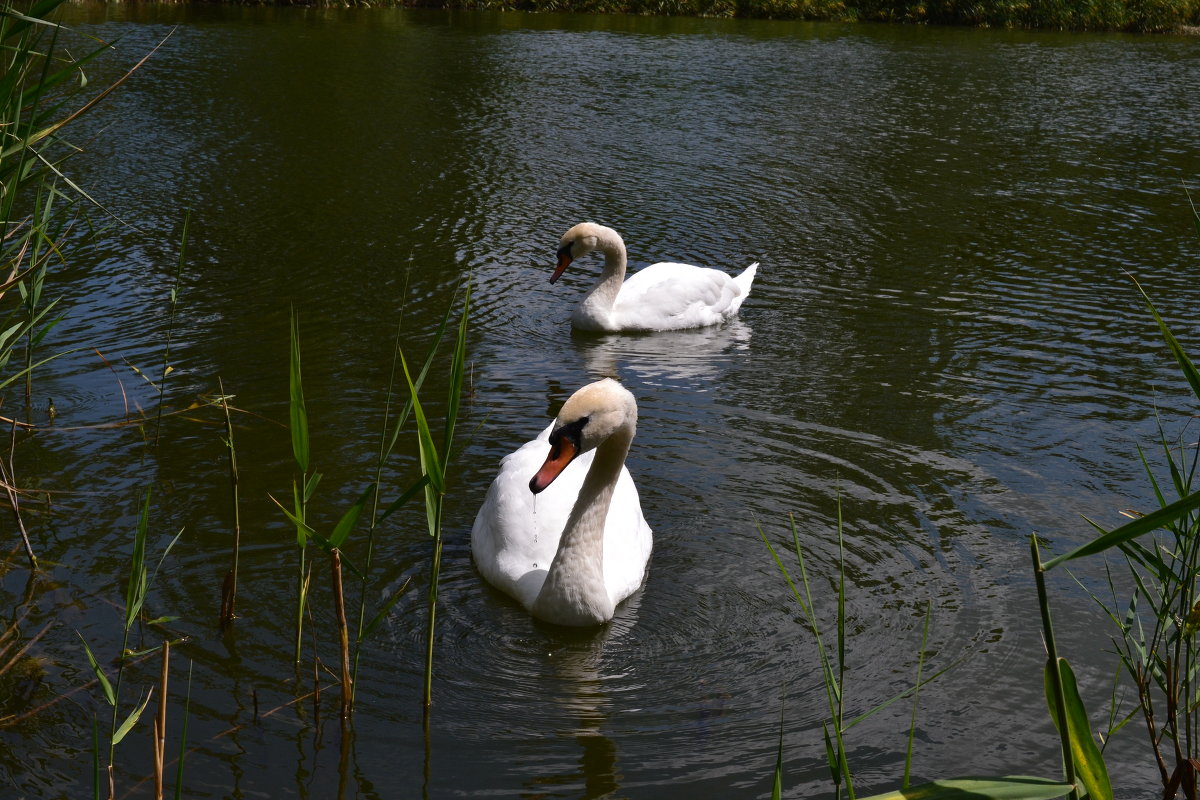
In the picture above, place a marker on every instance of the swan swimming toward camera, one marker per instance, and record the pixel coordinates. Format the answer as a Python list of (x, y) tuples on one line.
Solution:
[(662, 297), (561, 529)]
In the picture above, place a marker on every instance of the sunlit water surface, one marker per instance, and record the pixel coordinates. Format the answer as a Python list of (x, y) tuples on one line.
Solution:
[(943, 343)]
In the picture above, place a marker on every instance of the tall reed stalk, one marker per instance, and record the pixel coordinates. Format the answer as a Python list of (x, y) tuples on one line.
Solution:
[(229, 585), (390, 434), (305, 485), (435, 466)]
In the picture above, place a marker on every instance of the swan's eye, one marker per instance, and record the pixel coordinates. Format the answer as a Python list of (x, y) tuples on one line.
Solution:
[(565, 250), (572, 431)]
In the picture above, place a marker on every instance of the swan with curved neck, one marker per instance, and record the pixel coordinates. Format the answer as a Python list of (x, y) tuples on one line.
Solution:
[(563, 532), (661, 297)]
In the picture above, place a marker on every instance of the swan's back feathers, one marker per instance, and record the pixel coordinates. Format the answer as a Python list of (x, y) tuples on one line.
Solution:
[(673, 296), (662, 297)]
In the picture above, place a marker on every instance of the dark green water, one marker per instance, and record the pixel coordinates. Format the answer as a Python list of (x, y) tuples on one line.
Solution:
[(942, 337)]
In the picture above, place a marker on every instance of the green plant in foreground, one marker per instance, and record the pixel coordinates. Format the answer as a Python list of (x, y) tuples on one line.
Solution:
[(304, 487), (388, 440), (1156, 640), (433, 474), (1161, 657), (434, 469)]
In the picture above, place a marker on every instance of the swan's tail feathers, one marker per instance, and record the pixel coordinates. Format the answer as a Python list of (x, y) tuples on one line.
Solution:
[(746, 278), (743, 283)]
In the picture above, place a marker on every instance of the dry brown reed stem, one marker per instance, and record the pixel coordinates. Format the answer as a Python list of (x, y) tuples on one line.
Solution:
[(56, 127), (160, 724), (343, 631)]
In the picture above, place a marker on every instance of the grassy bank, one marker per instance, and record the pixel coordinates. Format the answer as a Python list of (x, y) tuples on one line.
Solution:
[(1098, 15)]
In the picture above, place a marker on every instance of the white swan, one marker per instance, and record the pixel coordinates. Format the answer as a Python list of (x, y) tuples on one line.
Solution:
[(660, 297), (561, 528)]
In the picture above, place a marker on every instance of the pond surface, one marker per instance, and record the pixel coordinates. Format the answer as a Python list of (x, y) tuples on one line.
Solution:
[(943, 342)]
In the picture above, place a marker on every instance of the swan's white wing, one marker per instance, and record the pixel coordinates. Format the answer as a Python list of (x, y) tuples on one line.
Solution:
[(627, 541), (670, 296), (516, 533)]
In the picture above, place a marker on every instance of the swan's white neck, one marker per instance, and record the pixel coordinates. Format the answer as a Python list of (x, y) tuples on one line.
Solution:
[(574, 592), (603, 296)]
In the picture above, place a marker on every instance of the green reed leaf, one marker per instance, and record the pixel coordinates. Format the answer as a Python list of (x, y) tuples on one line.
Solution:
[(346, 524), (309, 532), (1015, 787), (297, 517), (105, 686), (298, 413), (383, 612), (302, 527), (420, 381), (409, 494), (1131, 530), (430, 465), (138, 584), (310, 486), (1181, 358), (131, 720), (1089, 763)]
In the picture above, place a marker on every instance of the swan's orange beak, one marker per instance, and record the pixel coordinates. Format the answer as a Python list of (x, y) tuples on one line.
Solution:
[(562, 452), (564, 261)]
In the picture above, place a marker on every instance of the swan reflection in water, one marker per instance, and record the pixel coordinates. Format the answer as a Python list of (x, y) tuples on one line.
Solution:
[(575, 664), (695, 357)]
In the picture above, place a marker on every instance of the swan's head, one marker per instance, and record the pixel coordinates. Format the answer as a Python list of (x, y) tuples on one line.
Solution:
[(581, 240), (589, 417)]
